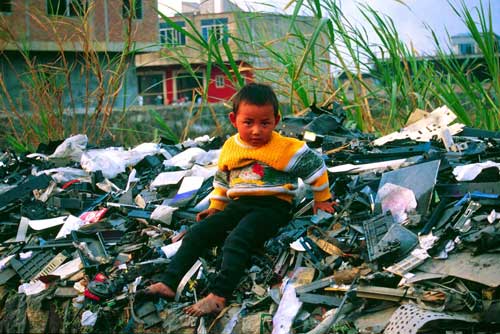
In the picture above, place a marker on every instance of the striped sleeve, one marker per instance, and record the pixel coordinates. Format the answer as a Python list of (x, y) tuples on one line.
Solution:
[(218, 197), (310, 167), (321, 188)]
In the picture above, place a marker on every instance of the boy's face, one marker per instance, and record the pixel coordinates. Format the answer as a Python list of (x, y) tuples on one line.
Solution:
[(255, 124)]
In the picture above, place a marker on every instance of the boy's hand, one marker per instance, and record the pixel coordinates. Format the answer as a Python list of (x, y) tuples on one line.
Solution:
[(327, 206), (205, 213)]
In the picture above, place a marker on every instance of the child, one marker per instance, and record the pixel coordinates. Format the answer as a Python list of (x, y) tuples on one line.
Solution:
[(253, 190)]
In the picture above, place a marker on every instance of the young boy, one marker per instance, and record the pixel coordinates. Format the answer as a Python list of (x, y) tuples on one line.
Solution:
[(253, 190)]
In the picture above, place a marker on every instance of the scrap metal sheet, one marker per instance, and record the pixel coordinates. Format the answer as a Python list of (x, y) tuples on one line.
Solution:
[(482, 268), (409, 318)]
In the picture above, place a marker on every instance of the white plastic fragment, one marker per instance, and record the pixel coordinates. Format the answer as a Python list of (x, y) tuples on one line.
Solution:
[(107, 186), (163, 213), (72, 223), (427, 241), (287, 310), (204, 171), (297, 245), (420, 253), (25, 255), (424, 129), (208, 158), (31, 288), (228, 329), (41, 224), (5, 261), (72, 147), (168, 178), (67, 269), (6, 187), (44, 194), (185, 159), (89, 318), (113, 160), (65, 174), (471, 171), (132, 179), (79, 287), (493, 216), (133, 286), (190, 183), (22, 229), (170, 249), (369, 166), (196, 142)]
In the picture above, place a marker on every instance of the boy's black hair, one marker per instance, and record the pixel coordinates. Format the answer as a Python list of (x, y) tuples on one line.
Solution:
[(257, 94)]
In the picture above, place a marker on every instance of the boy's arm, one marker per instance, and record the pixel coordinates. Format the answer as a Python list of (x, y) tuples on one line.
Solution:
[(322, 196), (218, 197), (309, 166), (320, 186)]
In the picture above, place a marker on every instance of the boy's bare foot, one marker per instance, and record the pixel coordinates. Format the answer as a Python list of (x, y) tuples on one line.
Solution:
[(161, 290), (210, 304)]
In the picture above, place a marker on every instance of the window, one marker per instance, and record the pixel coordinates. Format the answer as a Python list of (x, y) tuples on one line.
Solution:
[(151, 88), (466, 49), (187, 86), (132, 8), (6, 6), (219, 81), (66, 7), (170, 36), (216, 28)]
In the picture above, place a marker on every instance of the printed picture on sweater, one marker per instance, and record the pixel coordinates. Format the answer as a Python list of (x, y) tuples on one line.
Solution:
[(253, 173), (259, 174)]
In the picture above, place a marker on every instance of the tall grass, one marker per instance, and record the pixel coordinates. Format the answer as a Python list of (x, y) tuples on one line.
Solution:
[(46, 108), (476, 101), (380, 82), (318, 57)]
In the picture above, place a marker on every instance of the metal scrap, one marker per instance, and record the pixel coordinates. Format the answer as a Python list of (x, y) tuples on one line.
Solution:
[(116, 228)]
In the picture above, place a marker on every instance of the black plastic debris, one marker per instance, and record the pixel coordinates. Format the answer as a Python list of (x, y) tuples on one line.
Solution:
[(416, 231)]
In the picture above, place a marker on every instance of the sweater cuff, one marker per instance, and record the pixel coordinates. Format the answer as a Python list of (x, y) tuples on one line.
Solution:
[(322, 196), (217, 204)]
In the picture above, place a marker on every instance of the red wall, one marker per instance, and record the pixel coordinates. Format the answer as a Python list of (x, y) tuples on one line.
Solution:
[(169, 86), (214, 94), (219, 94)]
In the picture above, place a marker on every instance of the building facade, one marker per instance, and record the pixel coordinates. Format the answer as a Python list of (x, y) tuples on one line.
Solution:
[(465, 45), (178, 72), (81, 40)]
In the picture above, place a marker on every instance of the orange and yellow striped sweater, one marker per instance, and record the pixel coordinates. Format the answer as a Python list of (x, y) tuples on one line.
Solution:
[(269, 170)]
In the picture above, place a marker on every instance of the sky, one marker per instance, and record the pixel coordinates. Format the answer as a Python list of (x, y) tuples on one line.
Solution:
[(410, 20)]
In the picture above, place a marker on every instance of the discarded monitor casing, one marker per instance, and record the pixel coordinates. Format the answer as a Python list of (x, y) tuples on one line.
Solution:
[(384, 236)]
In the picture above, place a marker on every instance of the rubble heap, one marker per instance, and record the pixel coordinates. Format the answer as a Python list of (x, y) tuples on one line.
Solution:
[(413, 245)]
